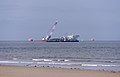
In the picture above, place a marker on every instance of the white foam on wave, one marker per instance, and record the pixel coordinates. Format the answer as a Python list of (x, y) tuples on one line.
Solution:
[(78, 64), (9, 62), (15, 62), (50, 60), (58, 63), (46, 60), (37, 59), (89, 65), (95, 65)]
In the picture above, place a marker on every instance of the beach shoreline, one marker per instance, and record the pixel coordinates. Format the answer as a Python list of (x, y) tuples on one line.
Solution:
[(26, 71)]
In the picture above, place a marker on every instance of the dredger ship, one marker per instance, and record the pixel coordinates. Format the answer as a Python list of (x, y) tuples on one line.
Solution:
[(48, 38)]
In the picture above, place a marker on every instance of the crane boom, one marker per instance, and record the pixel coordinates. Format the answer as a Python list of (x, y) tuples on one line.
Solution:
[(51, 31)]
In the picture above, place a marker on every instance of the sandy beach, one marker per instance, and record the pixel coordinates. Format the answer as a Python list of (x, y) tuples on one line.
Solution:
[(21, 71)]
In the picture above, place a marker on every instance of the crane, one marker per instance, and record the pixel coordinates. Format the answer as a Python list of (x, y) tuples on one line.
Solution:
[(51, 31)]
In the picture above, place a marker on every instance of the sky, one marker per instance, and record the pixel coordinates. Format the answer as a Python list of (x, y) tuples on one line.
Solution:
[(23, 19)]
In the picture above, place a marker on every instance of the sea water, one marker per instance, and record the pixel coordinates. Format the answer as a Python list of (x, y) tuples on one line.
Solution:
[(94, 55)]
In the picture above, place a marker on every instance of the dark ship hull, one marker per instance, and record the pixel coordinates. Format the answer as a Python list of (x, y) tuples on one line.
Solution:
[(61, 40)]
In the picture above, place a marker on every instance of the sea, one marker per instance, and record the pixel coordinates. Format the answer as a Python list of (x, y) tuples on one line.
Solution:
[(92, 55)]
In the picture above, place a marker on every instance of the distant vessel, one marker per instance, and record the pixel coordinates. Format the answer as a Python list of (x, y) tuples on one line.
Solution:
[(70, 38)]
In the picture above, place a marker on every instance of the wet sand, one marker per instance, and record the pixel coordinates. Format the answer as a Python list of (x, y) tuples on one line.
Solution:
[(23, 71)]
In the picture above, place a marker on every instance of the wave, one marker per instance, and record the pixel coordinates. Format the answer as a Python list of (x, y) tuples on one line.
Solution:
[(46, 60), (9, 62), (99, 65), (50, 62)]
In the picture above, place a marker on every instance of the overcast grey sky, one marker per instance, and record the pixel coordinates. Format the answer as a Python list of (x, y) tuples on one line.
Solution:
[(21, 19)]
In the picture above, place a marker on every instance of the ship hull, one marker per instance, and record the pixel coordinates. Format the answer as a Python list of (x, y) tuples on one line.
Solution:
[(60, 40), (55, 41)]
